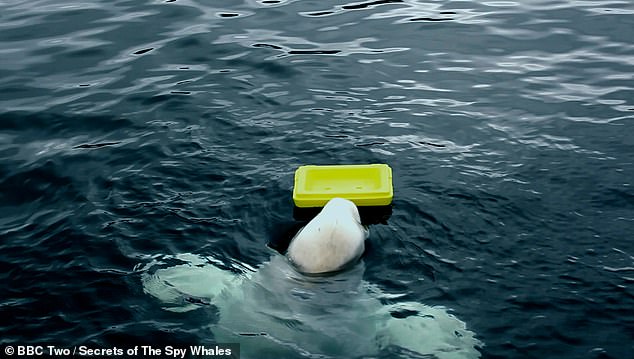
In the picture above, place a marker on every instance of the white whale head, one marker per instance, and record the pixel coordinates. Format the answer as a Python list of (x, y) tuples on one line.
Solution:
[(330, 241)]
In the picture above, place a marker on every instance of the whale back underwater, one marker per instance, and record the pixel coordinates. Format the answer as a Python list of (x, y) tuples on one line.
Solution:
[(279, 311)]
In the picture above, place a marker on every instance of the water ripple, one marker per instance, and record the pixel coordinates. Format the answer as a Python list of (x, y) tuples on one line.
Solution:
[(260, 38)]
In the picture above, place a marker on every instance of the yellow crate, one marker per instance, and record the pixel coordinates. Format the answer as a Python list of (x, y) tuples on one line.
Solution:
[(365, 185)]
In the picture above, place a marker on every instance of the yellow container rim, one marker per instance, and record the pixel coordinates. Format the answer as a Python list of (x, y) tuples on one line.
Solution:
[(363, 184)]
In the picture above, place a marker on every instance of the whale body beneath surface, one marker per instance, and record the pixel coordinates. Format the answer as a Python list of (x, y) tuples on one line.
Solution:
[(288, 307)]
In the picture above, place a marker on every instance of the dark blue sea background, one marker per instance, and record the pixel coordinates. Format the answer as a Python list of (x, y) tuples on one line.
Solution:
[(134, 129)]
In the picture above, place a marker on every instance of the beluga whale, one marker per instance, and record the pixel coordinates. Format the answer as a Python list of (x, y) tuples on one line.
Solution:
[(311, 302), (332, 240)]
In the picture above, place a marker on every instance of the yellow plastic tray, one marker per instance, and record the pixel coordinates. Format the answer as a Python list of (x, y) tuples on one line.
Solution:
[(365, 185)]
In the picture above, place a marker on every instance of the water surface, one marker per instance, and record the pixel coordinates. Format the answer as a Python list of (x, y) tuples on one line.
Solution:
[(130, 130)]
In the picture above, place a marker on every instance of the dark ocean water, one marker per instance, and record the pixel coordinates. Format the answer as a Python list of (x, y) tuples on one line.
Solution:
[(134, 129)]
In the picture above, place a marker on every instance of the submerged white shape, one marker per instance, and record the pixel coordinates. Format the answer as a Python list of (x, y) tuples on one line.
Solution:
[(278, 311), (331, 241)]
